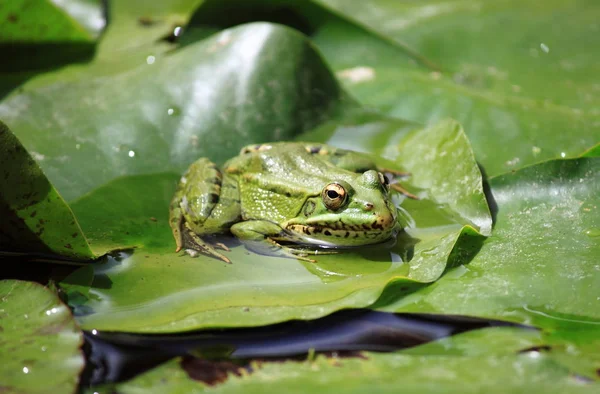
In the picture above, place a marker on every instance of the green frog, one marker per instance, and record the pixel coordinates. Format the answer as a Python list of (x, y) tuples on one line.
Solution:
[(275, 196)]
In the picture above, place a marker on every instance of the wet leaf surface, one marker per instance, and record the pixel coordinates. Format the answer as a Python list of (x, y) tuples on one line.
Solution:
[(39, 341)]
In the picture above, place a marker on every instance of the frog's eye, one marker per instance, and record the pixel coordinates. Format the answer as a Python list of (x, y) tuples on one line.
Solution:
[(334, 196)]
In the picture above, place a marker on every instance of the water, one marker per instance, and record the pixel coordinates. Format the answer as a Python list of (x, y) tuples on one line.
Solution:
[(115, 357)]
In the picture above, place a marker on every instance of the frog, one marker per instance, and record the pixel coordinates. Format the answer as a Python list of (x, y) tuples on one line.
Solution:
[(286, 199)]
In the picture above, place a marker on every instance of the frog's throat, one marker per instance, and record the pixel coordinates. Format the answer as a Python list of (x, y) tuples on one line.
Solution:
[(357, 231)]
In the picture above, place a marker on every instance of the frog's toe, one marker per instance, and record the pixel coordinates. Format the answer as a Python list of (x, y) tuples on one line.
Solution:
[(207, 251), (398, 187), (222, 246)]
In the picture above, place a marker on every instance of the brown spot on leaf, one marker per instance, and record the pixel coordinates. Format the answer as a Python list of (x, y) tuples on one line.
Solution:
[(146, 21), (74, 235), (153, 219), (209, 372), (33, 214), (12, 18), (68, 246)]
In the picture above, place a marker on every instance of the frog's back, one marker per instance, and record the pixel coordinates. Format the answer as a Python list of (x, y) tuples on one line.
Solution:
[(276, 179), (298, 163)]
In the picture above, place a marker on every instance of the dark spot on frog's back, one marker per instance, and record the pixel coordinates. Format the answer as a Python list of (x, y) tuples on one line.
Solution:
[(327, 232), (213, 198), (309, 208)]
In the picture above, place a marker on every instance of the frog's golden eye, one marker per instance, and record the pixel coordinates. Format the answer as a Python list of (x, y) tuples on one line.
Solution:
[(334, 196)]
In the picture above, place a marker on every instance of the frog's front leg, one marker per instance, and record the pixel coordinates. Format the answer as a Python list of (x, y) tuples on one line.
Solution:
[(257, 235)]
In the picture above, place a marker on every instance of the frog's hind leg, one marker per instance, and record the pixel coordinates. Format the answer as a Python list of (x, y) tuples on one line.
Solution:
[(200, 245)]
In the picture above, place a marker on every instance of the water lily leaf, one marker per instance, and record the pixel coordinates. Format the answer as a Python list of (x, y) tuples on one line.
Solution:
[(153, 113), (524, 94), (40, 341), (541, 263), (477, 361), (35, 218), (153, 289), (44, 21)]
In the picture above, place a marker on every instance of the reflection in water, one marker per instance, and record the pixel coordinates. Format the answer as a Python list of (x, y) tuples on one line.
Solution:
[(120, 356)]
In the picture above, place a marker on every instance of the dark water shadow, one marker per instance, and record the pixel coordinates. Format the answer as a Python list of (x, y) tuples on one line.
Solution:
[(115, 357)]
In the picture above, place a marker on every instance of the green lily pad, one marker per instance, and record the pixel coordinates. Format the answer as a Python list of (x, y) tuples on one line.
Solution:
[(35, 218), (39, 342), (153, 289), (477, 361), (541, 263), (160, 112), (524, 94)]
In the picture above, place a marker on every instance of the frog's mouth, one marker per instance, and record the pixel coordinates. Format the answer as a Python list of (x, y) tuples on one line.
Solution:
[(343, 235)]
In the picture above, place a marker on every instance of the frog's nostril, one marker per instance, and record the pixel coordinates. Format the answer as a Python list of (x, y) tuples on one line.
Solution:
[(368, 206)]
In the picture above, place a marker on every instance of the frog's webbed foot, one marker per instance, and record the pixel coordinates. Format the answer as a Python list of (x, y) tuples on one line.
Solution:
[(396, 185), (198, 245), (400, 189)]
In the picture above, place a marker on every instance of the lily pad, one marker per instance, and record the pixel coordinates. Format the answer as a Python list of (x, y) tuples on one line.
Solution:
[(524, 94), (541, 263), (478, 361), (40, 341), (160, 112), (153, 289), (35, 218)]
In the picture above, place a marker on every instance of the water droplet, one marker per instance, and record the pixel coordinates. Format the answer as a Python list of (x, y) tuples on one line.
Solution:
[(593, 232), (77, 146), (131, 153), (150, 59), (26, 316), (94, 332), (536, 150), (563, 154), (170, 111), (44, 348), (544, 48), (534, 354), (25, 370), (177, 31), (48, 313)]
